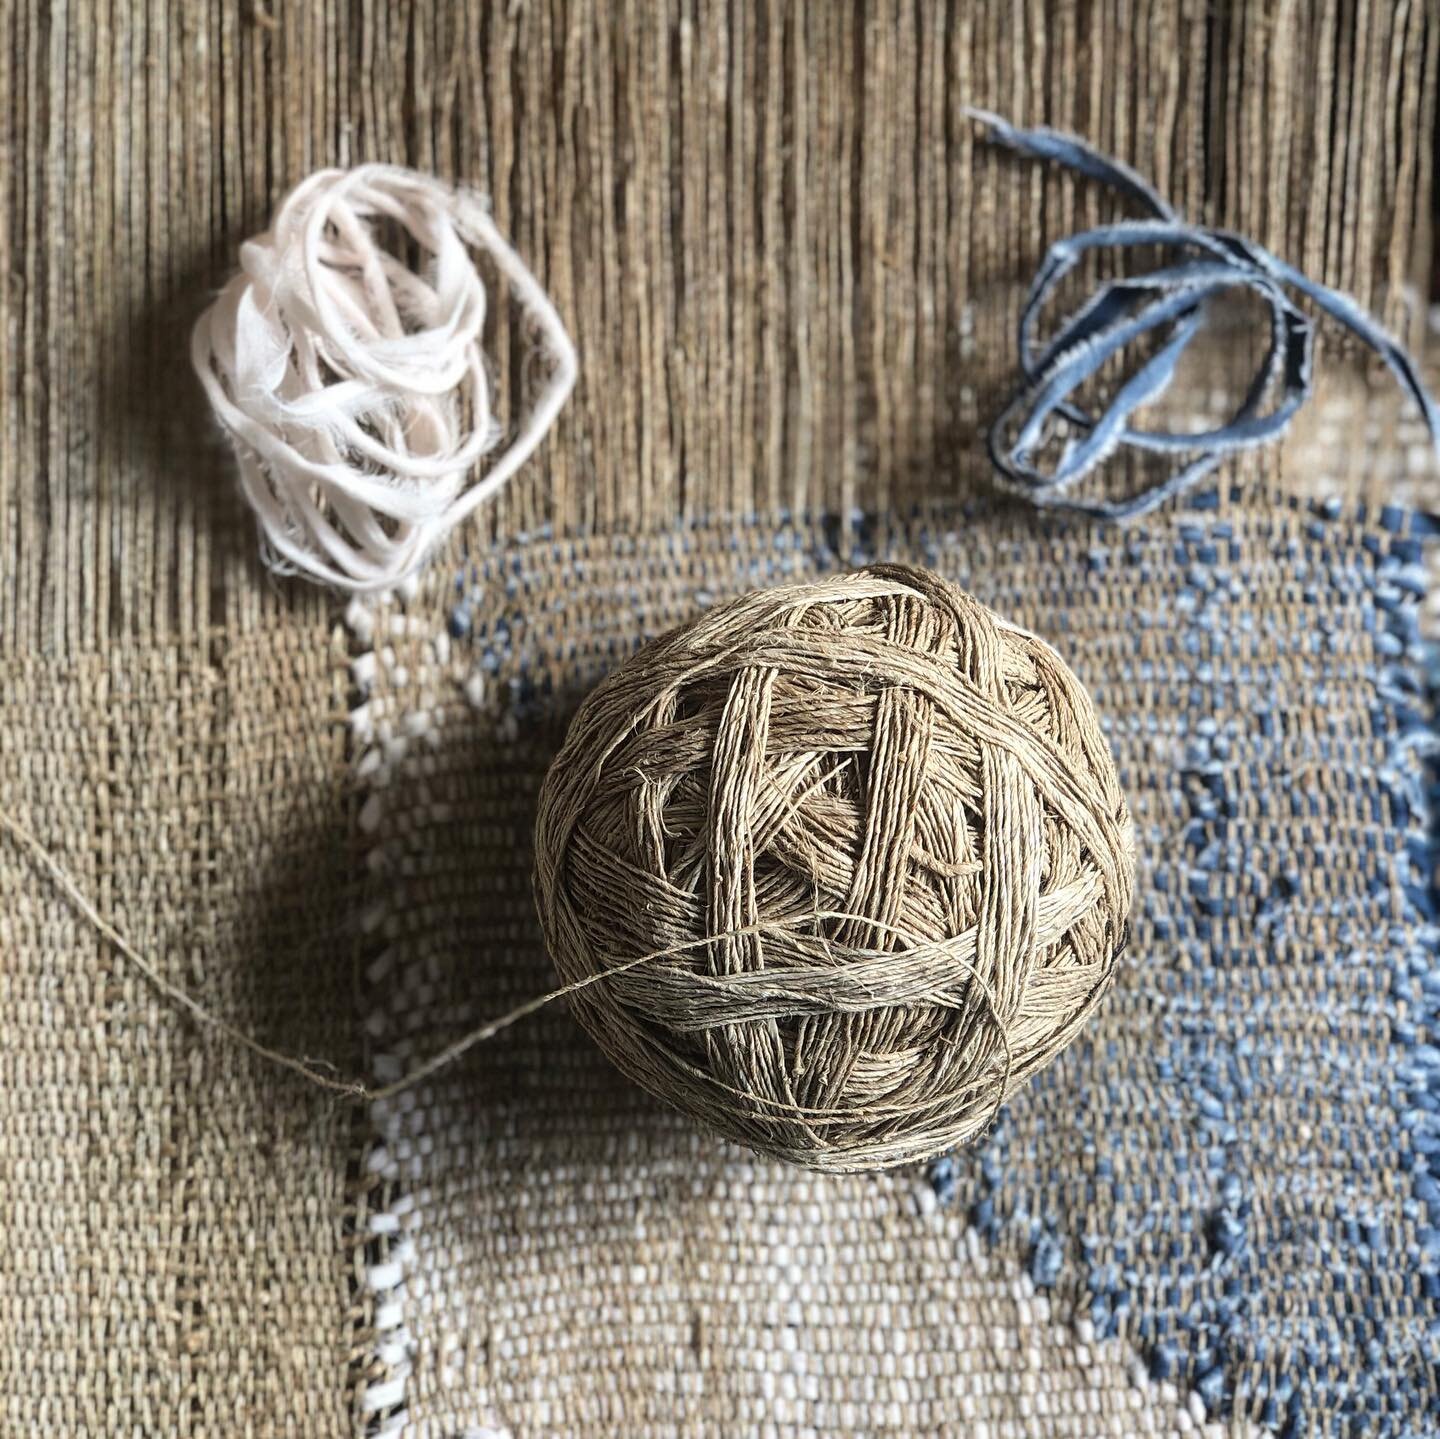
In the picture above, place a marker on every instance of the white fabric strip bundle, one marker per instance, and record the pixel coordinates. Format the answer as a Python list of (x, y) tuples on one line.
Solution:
[(355, 387)]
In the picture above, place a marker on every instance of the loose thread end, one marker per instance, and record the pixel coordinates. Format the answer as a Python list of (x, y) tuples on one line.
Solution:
[(356, 1090)]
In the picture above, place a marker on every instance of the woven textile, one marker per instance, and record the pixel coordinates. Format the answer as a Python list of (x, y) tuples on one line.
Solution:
[(792, 276), (1234, 1129)]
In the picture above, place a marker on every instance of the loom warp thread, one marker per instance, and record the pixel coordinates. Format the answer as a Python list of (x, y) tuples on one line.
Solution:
[(354, 385), (1171, 303), (878, 839)]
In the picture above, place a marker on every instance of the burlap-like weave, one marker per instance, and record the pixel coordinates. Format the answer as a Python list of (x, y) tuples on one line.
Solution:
[(792, 277)]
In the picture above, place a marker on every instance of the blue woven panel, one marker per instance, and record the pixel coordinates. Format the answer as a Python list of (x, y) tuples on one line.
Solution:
[(1234, 1170)]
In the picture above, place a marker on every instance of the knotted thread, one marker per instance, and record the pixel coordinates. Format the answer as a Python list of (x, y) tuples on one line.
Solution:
[(354, 386), (892, 823), (1171, 301)]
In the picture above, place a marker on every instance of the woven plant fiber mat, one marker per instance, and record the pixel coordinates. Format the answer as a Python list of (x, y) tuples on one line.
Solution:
[(1204, 1183), (792, 276)]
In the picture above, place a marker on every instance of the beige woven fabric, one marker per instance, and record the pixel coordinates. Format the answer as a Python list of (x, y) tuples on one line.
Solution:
[(564, 1254), (792, 276), (557, 1252)]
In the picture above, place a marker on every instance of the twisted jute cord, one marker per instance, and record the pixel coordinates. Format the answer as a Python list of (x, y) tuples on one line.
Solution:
[(356, 1089), (879, 748), (354, 385), (1171, 302)]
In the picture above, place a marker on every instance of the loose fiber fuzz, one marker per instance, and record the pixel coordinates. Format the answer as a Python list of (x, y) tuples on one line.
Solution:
[(355, 388)]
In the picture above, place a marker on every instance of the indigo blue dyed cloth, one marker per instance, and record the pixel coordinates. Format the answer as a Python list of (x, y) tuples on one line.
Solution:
[(1170, 304), (1229, 1185)]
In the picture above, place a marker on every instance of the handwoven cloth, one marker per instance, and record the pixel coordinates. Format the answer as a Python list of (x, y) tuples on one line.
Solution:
[(792, 275)]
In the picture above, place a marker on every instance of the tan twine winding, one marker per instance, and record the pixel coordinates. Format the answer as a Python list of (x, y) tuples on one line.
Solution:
[(869, 841), (350, 1088), (834, 869)]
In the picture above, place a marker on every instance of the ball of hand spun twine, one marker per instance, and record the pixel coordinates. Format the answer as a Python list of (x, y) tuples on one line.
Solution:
[(872, 838), (354, 385)]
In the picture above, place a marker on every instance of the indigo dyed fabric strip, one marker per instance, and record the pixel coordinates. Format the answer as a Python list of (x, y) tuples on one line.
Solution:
[(1169, 302)]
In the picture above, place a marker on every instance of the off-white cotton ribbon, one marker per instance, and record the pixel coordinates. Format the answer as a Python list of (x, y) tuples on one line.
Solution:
[(355, 387)]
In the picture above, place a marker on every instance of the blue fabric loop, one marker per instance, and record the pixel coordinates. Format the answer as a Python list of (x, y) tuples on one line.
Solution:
[(1169, 302)]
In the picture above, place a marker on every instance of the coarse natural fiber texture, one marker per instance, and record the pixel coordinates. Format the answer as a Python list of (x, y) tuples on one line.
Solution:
[(793, 272), (353, 383), (881, 833)]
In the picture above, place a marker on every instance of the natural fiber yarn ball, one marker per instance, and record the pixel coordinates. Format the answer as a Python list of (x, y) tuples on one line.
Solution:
[(352, 380), (873, 838)]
